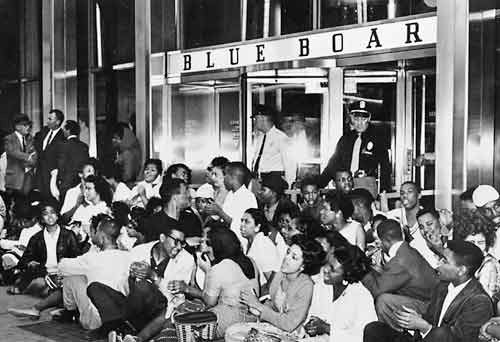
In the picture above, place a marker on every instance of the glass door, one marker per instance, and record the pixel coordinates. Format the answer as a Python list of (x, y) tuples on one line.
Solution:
[(421, 108), (204, 122), (300, 96), (378, 89)]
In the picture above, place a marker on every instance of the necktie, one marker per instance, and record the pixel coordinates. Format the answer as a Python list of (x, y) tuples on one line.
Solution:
[(24, 144), (257, 161), (47, 142), (355, 155)]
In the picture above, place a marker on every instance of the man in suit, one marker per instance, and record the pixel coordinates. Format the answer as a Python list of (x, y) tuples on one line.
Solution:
[(361, 150), (406, 279), (46, 146), (458, 308), (71, 155), (21, 157)]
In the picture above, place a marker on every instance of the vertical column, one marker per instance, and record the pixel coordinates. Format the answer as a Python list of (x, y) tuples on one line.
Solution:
[(451, 99), (143, 74), (47, 50), (91, 57), (332, 124), (30, 66), (59, 57)]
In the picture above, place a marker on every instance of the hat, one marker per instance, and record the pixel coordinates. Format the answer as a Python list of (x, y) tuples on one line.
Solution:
[(484, 194), (274, 182), (263, 110), (358, 108), (22, 119), (205, 191)]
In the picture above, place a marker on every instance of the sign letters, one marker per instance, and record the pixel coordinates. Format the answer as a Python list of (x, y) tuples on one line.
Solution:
[(325, 44)]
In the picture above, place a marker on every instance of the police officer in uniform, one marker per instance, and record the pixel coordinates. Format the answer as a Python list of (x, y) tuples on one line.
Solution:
[(362, 151)]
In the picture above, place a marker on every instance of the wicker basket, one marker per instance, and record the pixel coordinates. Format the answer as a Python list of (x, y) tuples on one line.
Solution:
[(195, 326)]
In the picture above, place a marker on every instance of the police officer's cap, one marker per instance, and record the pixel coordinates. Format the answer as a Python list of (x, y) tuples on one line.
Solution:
[(263, 110), (358, 108)]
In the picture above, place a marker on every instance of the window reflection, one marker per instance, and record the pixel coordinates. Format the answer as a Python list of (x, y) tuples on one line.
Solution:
[(210, 22), (347, 12), (299, 118)]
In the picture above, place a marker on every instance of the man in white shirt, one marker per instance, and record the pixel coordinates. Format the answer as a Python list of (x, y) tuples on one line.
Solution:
[(109, 265), (155, 265), (237, 200), (458, 308), (272, 147)]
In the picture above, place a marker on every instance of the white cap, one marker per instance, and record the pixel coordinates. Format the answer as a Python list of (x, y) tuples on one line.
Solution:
[(205, 191), (484, 194)]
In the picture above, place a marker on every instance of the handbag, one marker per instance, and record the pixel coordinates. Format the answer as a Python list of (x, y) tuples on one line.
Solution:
[(195, 326)]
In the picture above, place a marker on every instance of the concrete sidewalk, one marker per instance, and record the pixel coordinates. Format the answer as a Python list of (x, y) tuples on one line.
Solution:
[(9, 331)]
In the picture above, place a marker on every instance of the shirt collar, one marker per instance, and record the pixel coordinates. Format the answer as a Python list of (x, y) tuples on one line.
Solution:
[(55, 234), (19, 135), (240, 189), (394, 249), (455, 290), (71, 137), (55, 131), (157, 180)]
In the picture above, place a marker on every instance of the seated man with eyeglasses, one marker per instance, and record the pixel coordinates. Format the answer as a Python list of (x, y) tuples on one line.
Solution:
[(154, 265)]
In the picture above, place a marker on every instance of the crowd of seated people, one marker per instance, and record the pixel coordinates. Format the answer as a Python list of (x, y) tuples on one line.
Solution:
[(124, 260)]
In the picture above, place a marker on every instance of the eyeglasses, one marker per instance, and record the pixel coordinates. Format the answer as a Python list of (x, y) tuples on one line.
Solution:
[(179, 242)]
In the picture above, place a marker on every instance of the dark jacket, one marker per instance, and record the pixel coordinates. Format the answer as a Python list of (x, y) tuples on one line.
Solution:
[(463, 318), (71, 155), (190, 222), (406, 274), (46, 158), (67, 247), (373, 152)]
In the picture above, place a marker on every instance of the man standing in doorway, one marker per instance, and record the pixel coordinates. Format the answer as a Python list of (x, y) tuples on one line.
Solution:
[(46, 143), (271, 150), (362, 151)]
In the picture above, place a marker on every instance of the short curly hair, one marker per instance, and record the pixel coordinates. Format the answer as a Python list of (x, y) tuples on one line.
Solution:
[(312, 252), (471, 222)]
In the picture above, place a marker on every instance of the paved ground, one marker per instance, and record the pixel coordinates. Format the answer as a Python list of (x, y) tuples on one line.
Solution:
[(9, 332)]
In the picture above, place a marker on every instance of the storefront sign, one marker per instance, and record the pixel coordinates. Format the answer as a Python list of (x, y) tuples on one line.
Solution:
[(408, 33)]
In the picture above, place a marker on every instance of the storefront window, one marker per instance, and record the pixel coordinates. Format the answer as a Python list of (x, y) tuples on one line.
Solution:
[(210, 22), (205, 124), (163, 29), (115, 102), (347, 12), (118, 30), (229, 118), (296, 16)]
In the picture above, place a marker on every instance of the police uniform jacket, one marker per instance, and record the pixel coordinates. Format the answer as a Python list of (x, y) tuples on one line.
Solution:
[(373, 152)]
